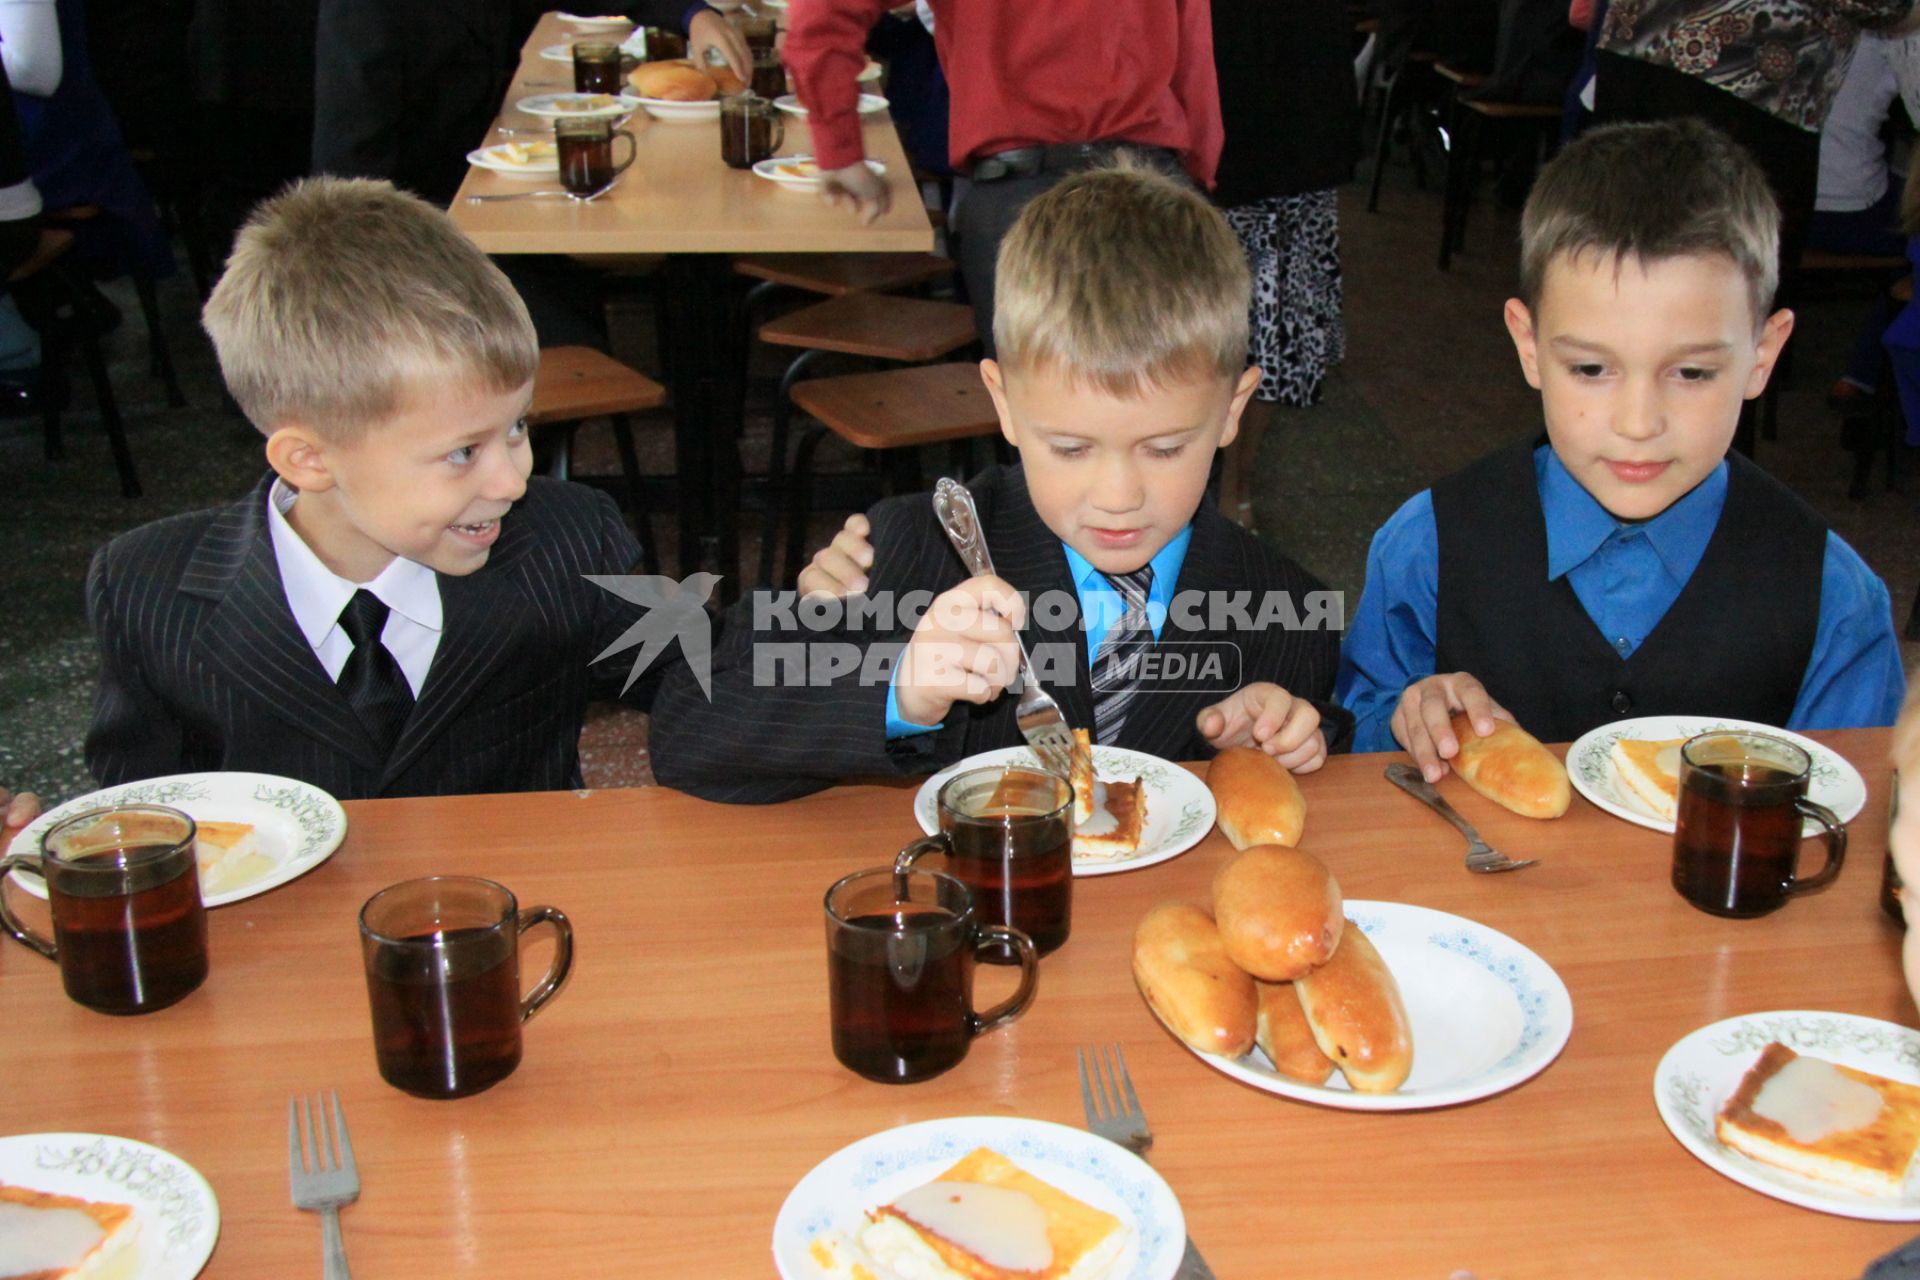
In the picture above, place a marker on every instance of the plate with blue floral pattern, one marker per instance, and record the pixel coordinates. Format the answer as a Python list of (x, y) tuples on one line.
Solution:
[(298, 825), (1486, 1013), (175, 1218), (816, 1227)]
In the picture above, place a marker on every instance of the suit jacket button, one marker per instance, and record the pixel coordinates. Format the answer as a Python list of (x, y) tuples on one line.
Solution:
[(1622, 701)]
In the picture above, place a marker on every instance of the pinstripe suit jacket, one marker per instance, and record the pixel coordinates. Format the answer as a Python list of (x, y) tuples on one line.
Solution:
[(759, 741), (203, 666)]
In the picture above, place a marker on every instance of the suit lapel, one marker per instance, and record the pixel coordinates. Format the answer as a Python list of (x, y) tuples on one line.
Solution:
[(251, 635)]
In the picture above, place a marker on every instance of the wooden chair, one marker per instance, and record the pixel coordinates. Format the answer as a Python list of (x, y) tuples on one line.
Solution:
[(1469, 120), (160, 355), (1814, 262), (575, 384), (1407, 86), (892, 409)]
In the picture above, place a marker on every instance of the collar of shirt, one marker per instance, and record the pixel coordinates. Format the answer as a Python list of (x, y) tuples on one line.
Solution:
[(1100, 603), (1578, 526), (317, 594)]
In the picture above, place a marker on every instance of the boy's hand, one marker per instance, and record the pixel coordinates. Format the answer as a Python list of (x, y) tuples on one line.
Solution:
[(1423, 722), (711, 30), (962, 651), (17, 811), (1266, 716), (840, 568)]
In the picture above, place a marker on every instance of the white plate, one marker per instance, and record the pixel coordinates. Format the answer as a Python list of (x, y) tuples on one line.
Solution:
[(558, 53), (178, 1215), (1698, 1075), (298, 826), (777, 170), (1835, 783), (547, 106), (598, 22), (681, 112), (871, 72), (1486, 1013), (869, 103), (494, 159), (836, 1193), (1180, 809)]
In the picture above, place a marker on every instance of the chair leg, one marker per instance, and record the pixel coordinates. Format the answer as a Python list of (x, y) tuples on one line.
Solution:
[(1461, 139), (777, 475), (560, 460), (799, 501), (743, 331), (636, 491), (162, 356), (109, 411), (1396, 90)]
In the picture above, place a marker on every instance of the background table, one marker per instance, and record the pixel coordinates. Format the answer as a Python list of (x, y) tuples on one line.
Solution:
[(679, 1087)]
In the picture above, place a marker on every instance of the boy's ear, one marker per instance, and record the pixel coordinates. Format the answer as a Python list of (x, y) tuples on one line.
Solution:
[(997, 388), (1520, 326), (1773, 339), (1242, 393), (299, 455)]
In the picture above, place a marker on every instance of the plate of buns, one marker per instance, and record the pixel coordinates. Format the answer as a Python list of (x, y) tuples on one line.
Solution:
[(84, 1206), (256, 831), (1282, 984), (870, 104), (578, 106), (676, 89), (597, 22), (977, 1196), (1141, 810), (1817, 1109), (518, 159), (1631, 768)]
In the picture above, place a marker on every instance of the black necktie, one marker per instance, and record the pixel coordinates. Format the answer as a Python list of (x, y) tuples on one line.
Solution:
[(1115, 669), (375, 686)]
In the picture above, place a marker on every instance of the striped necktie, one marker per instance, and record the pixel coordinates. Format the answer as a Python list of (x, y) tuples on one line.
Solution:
[(1115, 670)]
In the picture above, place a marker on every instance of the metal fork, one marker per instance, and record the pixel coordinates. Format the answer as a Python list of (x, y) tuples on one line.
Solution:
[(1481, 856), (1041, 723), (324, 1176), (1113, 1112)]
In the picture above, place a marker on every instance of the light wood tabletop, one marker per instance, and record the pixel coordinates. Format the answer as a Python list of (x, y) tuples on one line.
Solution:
[(679, 196), (683, 1082)]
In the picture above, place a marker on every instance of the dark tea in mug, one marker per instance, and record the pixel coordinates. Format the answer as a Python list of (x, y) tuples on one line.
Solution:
[(750, 130), (769, 75), (584, 149), (596, 67), (1736, 842), (1010, 840)]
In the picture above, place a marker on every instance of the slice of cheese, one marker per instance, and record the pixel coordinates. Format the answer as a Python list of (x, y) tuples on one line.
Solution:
[(1834, 1124), (1650, 768), (53, 1237)]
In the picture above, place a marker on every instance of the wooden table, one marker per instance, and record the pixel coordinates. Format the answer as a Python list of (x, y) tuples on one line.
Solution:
[(681, 199), (683, 1082)]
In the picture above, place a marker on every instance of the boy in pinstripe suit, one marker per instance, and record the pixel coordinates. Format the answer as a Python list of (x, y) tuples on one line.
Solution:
[(395, 609), (1121, 331)]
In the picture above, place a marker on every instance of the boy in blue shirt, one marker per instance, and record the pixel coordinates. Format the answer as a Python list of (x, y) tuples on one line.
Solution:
[(1625, 564)]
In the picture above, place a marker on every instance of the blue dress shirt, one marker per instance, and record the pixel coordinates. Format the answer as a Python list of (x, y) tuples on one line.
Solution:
[(1626, 575), (1100, 607)]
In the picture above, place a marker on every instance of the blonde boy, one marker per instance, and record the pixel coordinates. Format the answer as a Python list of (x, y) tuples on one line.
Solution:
[(1624, 565), (394, 609), (1121, 333)]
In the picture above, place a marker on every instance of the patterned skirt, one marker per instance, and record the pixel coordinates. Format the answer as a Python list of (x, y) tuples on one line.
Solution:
[(1296, 333)]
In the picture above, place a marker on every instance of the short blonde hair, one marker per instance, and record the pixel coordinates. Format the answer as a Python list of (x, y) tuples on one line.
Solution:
[(1122, 278), (344, 298)]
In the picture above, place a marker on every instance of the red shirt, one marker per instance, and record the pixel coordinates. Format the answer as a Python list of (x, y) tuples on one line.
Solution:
[(1027, 72)]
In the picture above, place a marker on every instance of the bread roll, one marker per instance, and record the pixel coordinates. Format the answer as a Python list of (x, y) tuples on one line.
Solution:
[(1183, 971), (1278, 911), (676, 80), (1258, 800), (1354, 1007), (1281, 1031), (1512, 769), (724, 80)]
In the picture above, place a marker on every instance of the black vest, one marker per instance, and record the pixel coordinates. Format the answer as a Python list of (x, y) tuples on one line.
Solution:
[(1735, 643)]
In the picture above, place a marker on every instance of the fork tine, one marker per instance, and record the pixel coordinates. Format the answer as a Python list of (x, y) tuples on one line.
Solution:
[(1103, 1068), (345, 1143), (296, 1160), (316, 1131), (1133, 1099), (1086, 1092)]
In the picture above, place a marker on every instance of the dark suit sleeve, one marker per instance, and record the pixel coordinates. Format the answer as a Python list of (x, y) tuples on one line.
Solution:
[(617, 551), (134, 734)]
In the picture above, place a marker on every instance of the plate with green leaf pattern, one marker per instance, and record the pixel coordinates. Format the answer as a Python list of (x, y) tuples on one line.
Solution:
[(1180, 809)]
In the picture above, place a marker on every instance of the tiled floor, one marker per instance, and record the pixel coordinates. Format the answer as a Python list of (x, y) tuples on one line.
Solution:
[(1430, 382)]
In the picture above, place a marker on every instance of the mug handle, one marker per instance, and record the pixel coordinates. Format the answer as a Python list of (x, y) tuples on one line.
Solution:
[(779, 132), (935, 843), (633, 152), (1002, 936), (1836, 837), (562, 956), (8, 923)]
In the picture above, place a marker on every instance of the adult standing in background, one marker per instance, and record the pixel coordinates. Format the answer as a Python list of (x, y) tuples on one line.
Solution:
[(1287, 99), (1038, 91)]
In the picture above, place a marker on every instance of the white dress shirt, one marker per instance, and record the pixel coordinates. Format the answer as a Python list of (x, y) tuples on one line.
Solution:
[(318, 595)]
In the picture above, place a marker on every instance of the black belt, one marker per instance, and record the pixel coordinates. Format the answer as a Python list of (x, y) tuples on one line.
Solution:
[(1024, 162)]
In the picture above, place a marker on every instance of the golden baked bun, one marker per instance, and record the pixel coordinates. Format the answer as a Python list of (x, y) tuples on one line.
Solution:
[(1278, 911), (1284, 1035), (675, 80), (725, 81), (1258, 800), (1182, 969), (1354, 1007), (1512, 769)]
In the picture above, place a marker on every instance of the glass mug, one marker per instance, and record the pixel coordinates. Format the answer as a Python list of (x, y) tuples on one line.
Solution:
[(129, 927), (900, 958), (756, 28), (750, 130), (1737, 838), (584, 149), (1007, 834), (769, 74), (443, 977), (596, 67)]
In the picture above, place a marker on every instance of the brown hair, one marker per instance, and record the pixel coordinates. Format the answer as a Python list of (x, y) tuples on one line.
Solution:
[(1677, 188), (345, 297), (1122, 278)]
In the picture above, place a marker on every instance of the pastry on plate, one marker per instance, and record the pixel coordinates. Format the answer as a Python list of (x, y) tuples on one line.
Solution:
[(222, 850), (1650, 768), (44, 1236), (1109, 815), (1836, 1125)]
